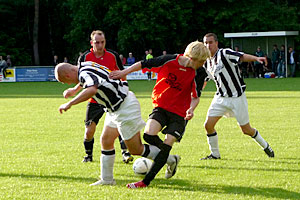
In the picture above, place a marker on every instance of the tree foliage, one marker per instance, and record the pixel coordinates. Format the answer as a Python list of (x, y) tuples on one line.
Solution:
[(133, 25)]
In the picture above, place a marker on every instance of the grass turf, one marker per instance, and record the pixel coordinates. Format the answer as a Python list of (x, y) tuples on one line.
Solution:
[(41, 150)]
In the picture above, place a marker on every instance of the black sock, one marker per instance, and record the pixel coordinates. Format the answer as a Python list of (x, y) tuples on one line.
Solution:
[(88, 145), (159, 161), (122, 144)]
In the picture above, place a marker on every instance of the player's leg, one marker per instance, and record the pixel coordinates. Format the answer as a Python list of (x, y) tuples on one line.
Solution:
[(93, 113), (212, 137), (107, 159), (125, 153), (240, 111)]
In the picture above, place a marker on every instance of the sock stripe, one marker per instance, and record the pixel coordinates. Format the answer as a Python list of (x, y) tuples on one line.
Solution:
[(211, 135), (256, 132), (146, 150), (109, 152)]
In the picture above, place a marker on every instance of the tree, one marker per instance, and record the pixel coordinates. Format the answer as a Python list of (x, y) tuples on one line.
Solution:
[(36, 33)]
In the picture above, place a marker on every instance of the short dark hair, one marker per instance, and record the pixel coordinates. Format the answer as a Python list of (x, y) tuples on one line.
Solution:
[(212, 35)]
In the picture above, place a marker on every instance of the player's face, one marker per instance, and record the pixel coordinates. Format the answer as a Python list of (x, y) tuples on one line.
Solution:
[(98, 43), (197, 63), (211, 44)]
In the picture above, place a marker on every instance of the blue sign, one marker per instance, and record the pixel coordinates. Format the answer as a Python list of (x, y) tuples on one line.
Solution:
[(35, 74)]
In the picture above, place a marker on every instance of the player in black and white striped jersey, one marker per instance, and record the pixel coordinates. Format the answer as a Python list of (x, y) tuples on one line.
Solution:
[(230, 99), (123, 112)]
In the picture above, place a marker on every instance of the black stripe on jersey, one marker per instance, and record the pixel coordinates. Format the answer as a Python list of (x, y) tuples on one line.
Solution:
[(110, 94), (219, 87), (231, 74), (243, 85), (224, 81), (234, 53), (117, 58), (199, 80), (233, 61), (95, 79)]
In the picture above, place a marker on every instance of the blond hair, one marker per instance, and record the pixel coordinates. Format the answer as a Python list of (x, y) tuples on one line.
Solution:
[(197, 50), (97, 32)]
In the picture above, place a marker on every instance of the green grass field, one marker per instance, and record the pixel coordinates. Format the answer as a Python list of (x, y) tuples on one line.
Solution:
[(41, 150)]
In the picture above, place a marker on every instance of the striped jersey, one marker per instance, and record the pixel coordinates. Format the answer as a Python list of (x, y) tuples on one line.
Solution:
[(110, 59), (175, 83), (111, 93), (223, 69)]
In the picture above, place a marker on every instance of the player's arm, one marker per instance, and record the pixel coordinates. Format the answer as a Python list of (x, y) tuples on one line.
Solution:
[(72, 91), (121, 73), (190, 111), (251, 58), (81, 97)]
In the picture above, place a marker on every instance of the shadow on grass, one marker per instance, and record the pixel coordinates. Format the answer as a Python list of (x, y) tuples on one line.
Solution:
[(266, 192), (33, 176)]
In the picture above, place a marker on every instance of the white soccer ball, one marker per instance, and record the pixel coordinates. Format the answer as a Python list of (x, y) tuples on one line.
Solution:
[(141, 166)]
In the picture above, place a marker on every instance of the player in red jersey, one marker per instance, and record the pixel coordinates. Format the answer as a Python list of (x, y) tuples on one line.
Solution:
[(111, 60), (175, 96)]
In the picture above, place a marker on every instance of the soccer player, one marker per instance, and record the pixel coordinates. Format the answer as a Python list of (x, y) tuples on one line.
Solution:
[(123, 112), (175, 96), (99, 54), (230, 99)]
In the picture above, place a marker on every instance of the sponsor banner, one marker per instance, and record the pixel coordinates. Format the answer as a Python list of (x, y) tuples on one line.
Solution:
[(31, 74), (139, 75), (10, 75)]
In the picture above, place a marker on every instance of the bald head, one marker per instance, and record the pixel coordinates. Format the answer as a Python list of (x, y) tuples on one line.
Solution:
[(66, 73)]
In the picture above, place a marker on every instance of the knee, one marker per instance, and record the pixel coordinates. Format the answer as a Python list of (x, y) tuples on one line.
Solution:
[(208, 127), (152, 139)]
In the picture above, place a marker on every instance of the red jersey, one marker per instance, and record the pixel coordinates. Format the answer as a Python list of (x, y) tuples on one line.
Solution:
[(175, 84), (110, 59)]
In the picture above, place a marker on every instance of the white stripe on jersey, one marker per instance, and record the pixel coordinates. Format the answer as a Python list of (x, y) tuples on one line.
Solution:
[(111, 93), (223, 68)]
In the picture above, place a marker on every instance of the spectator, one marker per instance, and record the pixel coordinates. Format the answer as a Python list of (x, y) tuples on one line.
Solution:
[(292, 61), (164, 52), (281, 65), (65, 59), (130, 59), (146, 53), (257, 65), (55, 60), (3, 67), (149, 56), (275, 58), (8, 61), (123, 59)]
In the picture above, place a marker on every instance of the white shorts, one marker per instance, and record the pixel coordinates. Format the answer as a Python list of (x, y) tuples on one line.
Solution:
[(127, 118), (230, 107)]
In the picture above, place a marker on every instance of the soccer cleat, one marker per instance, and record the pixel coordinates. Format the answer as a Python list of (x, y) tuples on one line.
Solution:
[(171, 169), (136, 185), (88, 158), (127, 157), (103, 182), (210, 157), (269, 151)]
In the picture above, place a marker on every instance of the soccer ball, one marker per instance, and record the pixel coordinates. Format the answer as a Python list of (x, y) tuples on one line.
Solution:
[(141, 166)]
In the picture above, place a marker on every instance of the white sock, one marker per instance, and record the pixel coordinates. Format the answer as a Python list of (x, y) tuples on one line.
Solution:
[(257, 137), (107, 165), (154, 151), (213, 145)]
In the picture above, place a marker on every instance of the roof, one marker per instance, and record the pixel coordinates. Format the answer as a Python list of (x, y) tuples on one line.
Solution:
[(260, 34)]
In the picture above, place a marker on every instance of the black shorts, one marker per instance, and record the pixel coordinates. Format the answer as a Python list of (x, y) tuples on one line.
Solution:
[(94, 112), (171, 123)]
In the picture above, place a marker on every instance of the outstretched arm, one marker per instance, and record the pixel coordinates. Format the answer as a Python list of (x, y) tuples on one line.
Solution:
[(82, 96), (119, 74), (250, 58)]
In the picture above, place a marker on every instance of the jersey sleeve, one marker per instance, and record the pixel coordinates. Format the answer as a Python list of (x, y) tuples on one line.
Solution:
[(200, 77), (155, 64), (232, 56)]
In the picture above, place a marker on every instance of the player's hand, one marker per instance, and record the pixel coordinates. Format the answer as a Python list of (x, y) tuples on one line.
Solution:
[(189, 114), (118, 74), (69, 92), (261, 60), (64, 107)]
